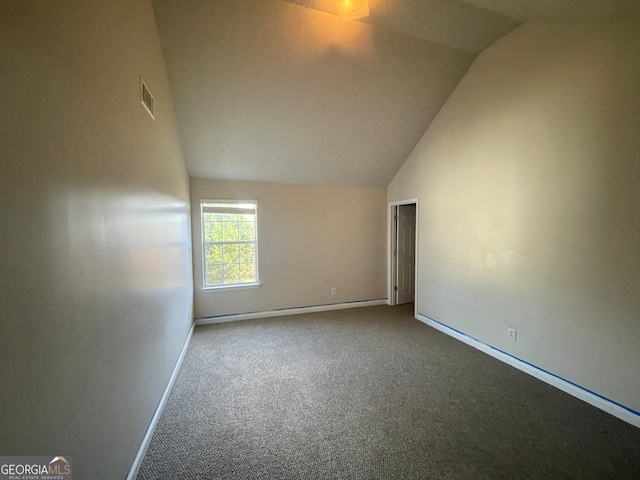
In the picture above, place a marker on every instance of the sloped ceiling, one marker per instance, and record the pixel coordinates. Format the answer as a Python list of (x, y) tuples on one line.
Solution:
[(267, 90), (282, 91), (527, 10), (454, 23)]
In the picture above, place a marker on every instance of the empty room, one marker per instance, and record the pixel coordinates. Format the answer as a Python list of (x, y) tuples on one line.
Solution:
[(298, 239)]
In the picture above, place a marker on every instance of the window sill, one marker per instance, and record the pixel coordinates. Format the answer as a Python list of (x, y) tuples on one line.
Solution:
[(224, 288)]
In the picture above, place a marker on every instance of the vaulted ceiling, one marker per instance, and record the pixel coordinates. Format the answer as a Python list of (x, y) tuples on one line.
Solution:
[(281, 90)]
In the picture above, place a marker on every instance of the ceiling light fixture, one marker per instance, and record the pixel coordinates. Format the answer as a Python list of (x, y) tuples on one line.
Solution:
[(352, 9)]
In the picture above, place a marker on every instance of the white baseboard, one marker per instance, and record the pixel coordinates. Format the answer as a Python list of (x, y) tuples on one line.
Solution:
[(598, 401), (137, 462), (288, 311)]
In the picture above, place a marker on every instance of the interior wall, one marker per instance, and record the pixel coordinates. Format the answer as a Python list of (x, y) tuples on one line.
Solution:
[(311, 238), (527, 182), (95, 259)]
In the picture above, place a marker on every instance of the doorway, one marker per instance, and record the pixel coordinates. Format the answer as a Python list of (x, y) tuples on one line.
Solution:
[(403, 242)]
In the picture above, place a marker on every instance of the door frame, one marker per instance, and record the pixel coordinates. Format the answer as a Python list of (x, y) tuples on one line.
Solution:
[(391, 244)]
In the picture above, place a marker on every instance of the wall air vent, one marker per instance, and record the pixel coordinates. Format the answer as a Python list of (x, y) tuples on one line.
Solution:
[(147, 99)]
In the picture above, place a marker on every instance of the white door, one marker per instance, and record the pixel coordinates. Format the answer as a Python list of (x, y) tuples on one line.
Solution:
[(405, 253)]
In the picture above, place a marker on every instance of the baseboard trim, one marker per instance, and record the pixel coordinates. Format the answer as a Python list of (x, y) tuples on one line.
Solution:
[(616, 409), (288, 311), (137, 462)]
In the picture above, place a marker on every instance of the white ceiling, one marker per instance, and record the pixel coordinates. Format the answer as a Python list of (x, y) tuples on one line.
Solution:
[(282, 91), (450, 22), (527, 10), (476, 24)]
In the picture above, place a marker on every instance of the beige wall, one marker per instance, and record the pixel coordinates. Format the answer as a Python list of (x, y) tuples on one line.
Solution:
[(311, 238), (95, 266), (528, 189)]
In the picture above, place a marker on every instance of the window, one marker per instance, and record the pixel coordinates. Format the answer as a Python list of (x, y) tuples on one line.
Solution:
[(229, 241)]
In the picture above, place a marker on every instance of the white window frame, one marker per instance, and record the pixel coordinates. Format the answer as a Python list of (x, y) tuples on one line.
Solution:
[(234, 286)]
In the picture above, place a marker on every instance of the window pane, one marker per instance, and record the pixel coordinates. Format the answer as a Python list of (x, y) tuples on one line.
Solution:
[(208, 231), (230, 254), (246, 231), (247, 272), (212, 232), (214, 254), (230, 231), (215, 274), (246, 253), (217, 232), (229, 236), (231, 273), (213, 217)]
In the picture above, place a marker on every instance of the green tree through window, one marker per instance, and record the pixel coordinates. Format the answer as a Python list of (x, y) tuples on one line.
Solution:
[(229, 238)]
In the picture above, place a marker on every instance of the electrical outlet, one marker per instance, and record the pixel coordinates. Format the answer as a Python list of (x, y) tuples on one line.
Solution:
[(513, 333), (333, 291)]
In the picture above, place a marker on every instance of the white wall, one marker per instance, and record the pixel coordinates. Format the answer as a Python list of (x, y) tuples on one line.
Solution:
[(528, 188), (95, 264), (310, 238)]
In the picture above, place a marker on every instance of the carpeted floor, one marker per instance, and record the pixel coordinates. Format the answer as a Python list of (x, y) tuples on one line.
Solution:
[(371, 393)]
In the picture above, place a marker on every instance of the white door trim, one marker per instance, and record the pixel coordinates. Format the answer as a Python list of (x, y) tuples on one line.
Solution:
[(391, 239)]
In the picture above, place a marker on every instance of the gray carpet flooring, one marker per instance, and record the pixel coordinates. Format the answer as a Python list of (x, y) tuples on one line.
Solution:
[(371, 393)]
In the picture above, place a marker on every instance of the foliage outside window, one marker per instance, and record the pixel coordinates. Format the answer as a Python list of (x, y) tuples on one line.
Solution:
[(229, 238)]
